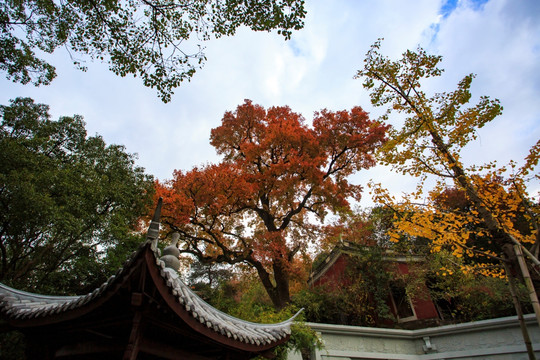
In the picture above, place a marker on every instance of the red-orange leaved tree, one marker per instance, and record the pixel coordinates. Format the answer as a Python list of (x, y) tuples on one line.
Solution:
[(253, 207)]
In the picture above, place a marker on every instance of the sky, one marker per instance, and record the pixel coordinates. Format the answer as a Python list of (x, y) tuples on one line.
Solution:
[(498, 40)]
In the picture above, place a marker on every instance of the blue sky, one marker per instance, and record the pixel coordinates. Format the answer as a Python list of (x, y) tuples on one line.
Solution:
[(448, 6), (499, 40)]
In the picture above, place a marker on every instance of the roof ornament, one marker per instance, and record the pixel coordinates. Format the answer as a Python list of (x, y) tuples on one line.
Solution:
[(171, 254), (153, 228)]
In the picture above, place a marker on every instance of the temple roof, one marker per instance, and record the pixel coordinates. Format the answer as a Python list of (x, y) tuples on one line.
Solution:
[(20, 305), (345, 247), (24, 308)]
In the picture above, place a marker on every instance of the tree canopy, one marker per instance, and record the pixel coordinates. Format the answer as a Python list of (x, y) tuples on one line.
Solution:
[(157, 40), (435, 132), (66, 199), (254, 207), (430, 142)]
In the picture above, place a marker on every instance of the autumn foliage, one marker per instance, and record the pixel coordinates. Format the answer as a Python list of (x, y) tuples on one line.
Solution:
[(495, 202), (279, 178)]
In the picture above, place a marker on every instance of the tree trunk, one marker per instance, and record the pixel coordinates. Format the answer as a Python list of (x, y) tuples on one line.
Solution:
[(528, 282), (519, 312), (277, 290), (281, 276), (306, 354), (497, 232)]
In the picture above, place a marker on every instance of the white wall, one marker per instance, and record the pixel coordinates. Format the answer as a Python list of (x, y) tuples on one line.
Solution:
[(498, 339)]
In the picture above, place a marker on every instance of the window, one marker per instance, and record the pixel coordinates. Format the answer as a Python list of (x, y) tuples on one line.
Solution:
[(402, 303)]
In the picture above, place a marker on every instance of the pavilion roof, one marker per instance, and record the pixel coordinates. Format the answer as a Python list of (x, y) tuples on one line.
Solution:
[(24, 307)]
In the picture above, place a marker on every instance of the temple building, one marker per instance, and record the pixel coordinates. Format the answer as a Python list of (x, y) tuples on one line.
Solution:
[(419, 311), (144, 311)]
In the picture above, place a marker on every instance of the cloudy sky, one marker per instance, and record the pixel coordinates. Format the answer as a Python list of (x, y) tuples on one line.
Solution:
[(499, 40)]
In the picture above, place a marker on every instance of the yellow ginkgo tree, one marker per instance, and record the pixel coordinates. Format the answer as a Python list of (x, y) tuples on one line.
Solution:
[(429, 145)]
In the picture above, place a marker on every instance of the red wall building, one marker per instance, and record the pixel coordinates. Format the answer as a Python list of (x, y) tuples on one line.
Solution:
[(410, 312)]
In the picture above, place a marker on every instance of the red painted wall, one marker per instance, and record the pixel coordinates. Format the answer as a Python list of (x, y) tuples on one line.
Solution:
[(422, 303), (335, 277)]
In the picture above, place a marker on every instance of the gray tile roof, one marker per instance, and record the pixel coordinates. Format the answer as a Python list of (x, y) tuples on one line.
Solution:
[(20, 305)]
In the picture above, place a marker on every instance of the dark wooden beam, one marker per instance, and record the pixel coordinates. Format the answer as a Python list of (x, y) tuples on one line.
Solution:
[(88, 347), (167, 351), (132, 348), (94, 321), (179, 329)]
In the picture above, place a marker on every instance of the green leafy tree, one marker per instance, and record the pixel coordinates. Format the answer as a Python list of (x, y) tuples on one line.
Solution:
[(465, 296), (68, 202), (361, 296), (145, 38), (207, 279), (243, 296)]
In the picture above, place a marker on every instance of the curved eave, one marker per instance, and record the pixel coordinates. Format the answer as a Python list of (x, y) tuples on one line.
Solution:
[(24, 309), (209, 321)]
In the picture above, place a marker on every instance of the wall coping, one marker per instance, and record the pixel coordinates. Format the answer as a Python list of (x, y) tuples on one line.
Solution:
[(474, 326)]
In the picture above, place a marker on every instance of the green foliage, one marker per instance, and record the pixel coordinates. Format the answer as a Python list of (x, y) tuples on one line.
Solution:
[(68, 202), (367, 294), (380, 219), (466, 296), (361, 299), (303, 339), (206, 279), (321, 305), (145, 38), (362, 296), (244, 297)]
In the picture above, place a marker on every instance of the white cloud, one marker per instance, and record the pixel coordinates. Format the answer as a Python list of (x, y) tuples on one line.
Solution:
[(499, 41)]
